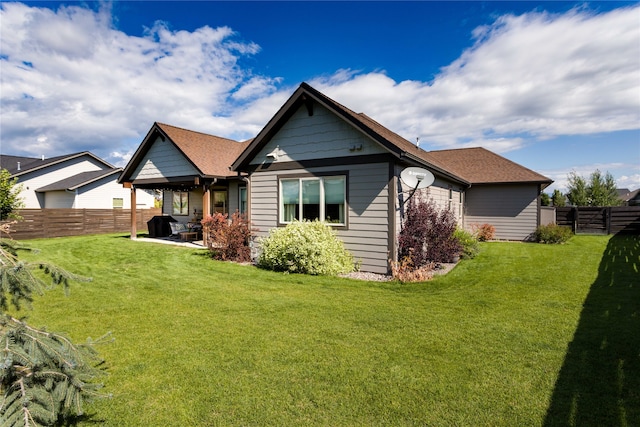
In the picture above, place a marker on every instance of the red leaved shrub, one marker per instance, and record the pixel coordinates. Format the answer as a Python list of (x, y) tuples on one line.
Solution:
[(228, 239), (483, 232), (427, 234)]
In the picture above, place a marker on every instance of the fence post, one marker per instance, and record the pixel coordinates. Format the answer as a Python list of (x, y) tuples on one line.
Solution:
[(576, 214), (607, 214)]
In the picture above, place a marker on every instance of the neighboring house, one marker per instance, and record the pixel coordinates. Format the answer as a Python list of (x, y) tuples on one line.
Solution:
[(78, 181), (628, 197), (318, 159)]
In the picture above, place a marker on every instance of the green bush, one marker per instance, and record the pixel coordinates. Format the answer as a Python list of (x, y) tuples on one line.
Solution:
[(552, 233), (308, 247), (469, 243)]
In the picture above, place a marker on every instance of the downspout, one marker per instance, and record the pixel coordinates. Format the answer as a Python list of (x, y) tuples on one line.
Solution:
[(248, 182), (252, 246)]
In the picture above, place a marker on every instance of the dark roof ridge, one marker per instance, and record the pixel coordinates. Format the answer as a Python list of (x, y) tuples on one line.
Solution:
[(199, 132)]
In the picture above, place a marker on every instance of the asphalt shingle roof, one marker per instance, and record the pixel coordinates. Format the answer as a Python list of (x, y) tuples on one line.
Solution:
[(79, 180), (212, 155), (28, 164), (481, 166)]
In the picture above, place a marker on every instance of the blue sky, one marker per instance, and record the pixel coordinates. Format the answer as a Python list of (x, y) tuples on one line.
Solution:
[(554, 86)]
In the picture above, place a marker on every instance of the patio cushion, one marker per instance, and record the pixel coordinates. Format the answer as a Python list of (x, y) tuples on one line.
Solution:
[(177, 228)]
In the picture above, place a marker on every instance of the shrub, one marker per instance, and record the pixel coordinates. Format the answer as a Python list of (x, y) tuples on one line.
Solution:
[(404, 271), (427, 234), (552, 233), (483, 232), (228, 239), (469, 243), (308, 247)]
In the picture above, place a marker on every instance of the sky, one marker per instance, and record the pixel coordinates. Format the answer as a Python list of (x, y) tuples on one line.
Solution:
[(554, 86)]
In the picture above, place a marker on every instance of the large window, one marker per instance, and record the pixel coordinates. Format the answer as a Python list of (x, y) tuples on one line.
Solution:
[(180, 203), (322, 198)]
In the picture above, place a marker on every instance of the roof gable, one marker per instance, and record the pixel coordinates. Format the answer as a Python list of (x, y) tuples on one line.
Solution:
[(467, 166), (30, 164), (210, 155), (306, 95)]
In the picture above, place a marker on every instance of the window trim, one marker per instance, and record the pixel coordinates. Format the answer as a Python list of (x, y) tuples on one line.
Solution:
[(119, 204), (318, 175), (173, 212), (241, 189)]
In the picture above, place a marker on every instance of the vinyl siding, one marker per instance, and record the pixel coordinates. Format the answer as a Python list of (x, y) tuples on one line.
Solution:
[(54, 173), (322, 135), (163, 160), (100, 195), (511, 209), (366, 236)]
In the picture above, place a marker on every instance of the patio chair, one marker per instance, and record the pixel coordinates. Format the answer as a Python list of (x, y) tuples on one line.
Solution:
[(177, 228)]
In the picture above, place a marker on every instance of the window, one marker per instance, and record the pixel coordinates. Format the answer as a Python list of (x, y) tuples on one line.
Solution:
[(322, 198), (118, 203), (243, 200), (220, 202), (180, 203)]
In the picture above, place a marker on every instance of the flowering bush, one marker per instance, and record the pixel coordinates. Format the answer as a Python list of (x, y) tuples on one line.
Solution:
[(309, 247), (228, 239)]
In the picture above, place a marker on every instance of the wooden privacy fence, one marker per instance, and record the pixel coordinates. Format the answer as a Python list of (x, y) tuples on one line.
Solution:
[(600, 220), (43, 223)]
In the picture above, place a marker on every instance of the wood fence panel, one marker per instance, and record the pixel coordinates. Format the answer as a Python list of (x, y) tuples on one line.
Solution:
[(600, 220), (565, 216), (45, 223), (592, 220), (625, 219)]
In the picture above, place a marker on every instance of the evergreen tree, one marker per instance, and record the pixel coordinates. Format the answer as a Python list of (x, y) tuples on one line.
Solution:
[(599, 191), (577, 193), (602, 190), (557, 198), (44, 377), (9, 195), (545, 200)]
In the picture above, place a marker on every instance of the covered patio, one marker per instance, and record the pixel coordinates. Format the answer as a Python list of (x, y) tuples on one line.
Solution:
[(191, 170)]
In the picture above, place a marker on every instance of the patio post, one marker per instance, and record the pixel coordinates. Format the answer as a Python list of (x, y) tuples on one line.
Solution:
[(206, 208), (134, 221)]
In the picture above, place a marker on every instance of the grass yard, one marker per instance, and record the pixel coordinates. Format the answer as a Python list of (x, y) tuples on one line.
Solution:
[(523, 335)]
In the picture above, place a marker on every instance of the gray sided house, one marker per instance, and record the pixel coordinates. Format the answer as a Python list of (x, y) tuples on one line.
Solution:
[(317, 159)]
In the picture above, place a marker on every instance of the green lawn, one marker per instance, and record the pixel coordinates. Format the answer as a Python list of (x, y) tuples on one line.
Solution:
[(524, 335)]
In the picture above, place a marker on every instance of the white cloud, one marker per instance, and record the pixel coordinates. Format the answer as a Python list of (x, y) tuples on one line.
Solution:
[(536, 75), (70, 77)]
